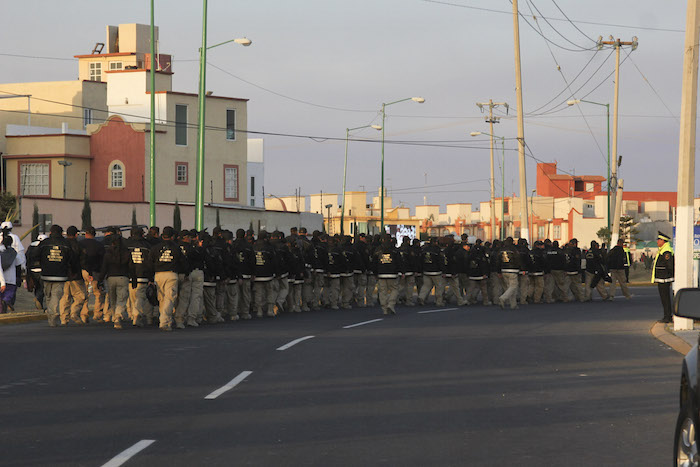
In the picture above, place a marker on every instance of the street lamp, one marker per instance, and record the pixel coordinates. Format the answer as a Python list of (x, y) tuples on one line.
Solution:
[(419, 100), (345, 170), (328, 206), (607, 111), (199, 176), (65, 164), (532, 215), (493, 188)]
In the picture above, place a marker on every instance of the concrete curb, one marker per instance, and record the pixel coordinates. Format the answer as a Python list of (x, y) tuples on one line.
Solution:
[(15, 318), (661, 332)]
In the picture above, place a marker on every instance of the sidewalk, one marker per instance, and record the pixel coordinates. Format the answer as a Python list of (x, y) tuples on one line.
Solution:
[(680, 341), (25, 310)]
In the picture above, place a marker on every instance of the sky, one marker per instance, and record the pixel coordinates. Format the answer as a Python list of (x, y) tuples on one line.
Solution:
[(318, 67)]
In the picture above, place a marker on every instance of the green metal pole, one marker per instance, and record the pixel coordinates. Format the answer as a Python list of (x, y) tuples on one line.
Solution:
[(152, 156), (199, 176), (503, 189), (381, 194), (607, 106), (345, 171)]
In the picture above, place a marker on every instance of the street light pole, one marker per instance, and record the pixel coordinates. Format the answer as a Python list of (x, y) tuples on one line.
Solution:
[(199, 172), (345, 170), (152, 135), (503, 190), (607, 111), (521, 125), (65, 164), (420, 100)]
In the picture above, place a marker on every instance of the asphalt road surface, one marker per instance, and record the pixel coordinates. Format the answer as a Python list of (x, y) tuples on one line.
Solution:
[(545, 385)]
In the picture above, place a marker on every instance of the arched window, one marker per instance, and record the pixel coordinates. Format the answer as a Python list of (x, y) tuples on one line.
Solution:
[(116, 175)]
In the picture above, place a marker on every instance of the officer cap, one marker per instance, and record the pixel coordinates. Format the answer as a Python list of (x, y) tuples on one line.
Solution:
[(593, 243), (168, 232), (72, 231), (136, 232), (573, 240), (303, 230), (664, 237)]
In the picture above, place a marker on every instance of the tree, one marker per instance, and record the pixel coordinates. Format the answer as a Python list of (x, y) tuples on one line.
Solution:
[(133, 217), (218, 219), (177, 221), (8, 205), (604, 235), (86, 215), (35, 221)]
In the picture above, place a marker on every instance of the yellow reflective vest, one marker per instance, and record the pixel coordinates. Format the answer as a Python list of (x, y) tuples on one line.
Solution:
[(662, 271)]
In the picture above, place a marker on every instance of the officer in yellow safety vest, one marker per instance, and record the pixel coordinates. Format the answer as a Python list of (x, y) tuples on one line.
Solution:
[(662, 274), (628, 262)]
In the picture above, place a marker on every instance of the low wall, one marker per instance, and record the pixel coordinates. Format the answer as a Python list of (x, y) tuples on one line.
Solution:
[(68, 212)]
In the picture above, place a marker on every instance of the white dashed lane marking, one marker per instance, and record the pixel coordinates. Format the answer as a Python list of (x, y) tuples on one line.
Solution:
[(294, 342), (230, 385), (127, 454), (363, 323)]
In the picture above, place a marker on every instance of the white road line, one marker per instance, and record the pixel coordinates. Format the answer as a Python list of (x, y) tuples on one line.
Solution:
[(230, 385), (124, 456), (437, 311), (294, 342), (363, 323)]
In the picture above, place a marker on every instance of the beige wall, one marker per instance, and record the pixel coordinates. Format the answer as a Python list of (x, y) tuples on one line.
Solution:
[(286, 203), (66, 213), (424, 212), (355, 203), (317, 203), (49, 144), (52, 103)]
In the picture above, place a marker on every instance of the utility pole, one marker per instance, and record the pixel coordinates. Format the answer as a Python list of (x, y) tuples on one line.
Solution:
[(491, 120), (524, 231), (686, 159), (612, 182)]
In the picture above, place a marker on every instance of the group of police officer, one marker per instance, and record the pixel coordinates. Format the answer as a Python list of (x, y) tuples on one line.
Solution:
[(187, 278)]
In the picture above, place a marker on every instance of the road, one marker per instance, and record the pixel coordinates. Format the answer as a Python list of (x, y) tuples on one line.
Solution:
[(566, 384)]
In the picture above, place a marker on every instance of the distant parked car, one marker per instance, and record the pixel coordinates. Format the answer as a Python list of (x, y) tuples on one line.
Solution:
[(685, 450)]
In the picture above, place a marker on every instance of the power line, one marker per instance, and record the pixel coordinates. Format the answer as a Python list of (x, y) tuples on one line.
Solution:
[(531, 5), (572, 23), (650, 85), (648, 28)]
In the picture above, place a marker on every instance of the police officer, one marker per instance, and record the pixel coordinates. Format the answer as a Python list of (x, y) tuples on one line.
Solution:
[(319, 265), (195, 258), (74, 293), (662, 274), (496, 287), (166, 258), (56, 263), (477, 272), (336, 266), (184, 285), (234, 281), (407, 282), (619, 267), (280, 285), (140, 274), (115, 274), (264, 274), (91, 255), (595, 272), (213, 272), (433, 263), (389, 268), (573, 269), (538, 267), (557, 263), (509, 267), (245, 264)]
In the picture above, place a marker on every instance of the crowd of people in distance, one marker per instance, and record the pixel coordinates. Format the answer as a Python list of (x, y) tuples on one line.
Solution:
[(187, 278)]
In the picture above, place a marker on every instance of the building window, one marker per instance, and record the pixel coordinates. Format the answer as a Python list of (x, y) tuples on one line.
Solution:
[(540, 232), (115, 66), (252, 201), (589, 187), (181, 169), (95, 71), (87, 117), (34, 179), (252, 186), (505, 207), (230, 124), (231, 182), (578, 185), (116, 175), (180, 125), (556, 232)]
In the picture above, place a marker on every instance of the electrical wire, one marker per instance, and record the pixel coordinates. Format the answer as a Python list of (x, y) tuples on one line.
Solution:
[(531, 5), (652, 87), (573, 24), (561, 73), (647, 28), (300, 101)]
